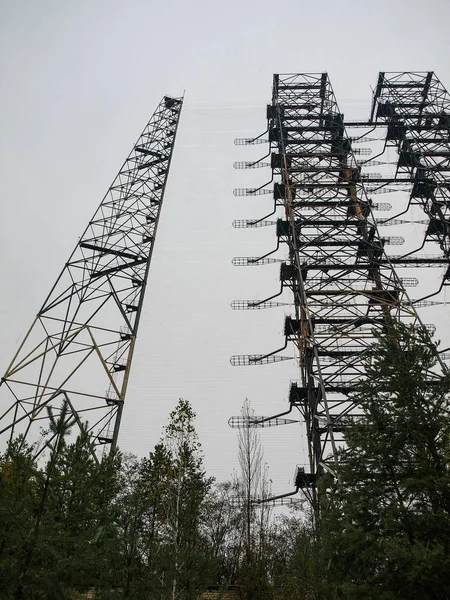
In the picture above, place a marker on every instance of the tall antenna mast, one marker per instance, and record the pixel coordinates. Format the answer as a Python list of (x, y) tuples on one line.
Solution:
[(337, 267), (79, 349)]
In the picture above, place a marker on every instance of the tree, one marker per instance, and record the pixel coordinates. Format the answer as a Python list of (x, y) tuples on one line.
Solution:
[(139, 517), (122, 525), (252, 484), (294, 563), (159, 510), (385, 521), (18, 472), (35, 554), (221, 527), (185, 558), (80, 510), (53, 519)]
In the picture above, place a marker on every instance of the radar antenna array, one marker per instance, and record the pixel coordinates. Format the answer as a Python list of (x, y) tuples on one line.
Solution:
[(336, 270)]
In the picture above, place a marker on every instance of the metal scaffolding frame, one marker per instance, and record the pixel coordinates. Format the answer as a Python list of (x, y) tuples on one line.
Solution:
[(340, 270), (79, 349), (415, 107)]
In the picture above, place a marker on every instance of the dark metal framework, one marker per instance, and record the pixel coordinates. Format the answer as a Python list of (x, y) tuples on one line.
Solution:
[(79, 349), (340, 270), (415, 108)]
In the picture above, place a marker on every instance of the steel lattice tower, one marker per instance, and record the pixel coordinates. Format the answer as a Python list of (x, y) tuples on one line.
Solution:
[(338, 266), (415, 108), (79, 349)]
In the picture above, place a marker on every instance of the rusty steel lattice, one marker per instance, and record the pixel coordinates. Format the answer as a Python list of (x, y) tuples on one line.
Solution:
[(341, 271), (79, 349)]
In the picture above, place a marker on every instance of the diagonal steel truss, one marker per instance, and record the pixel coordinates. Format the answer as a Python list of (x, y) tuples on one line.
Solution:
[(79, 349), (415, 108), (338, 267)]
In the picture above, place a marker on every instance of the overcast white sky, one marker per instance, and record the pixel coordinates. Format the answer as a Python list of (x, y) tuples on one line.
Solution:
[(80, 79)]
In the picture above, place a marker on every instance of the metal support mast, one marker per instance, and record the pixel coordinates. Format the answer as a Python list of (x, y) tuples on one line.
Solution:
[(79, 349), (410, 119), (415, 109), (337, 265)]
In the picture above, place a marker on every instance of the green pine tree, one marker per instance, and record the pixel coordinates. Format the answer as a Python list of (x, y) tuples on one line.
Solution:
[(385, 522)]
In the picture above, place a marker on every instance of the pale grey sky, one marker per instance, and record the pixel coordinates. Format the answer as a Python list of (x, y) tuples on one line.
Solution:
[(81, 79)]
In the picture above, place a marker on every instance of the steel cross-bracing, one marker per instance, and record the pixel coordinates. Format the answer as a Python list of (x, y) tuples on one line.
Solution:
[(341, 271), (415, 108), (410, 120), (79, 349)]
